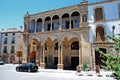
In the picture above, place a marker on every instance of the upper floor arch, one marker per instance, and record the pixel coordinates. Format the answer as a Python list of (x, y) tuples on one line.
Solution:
[(75, 13), (70, 35), (39, 25), (54, 20), (32, 26), (52, 37), (55, 17)]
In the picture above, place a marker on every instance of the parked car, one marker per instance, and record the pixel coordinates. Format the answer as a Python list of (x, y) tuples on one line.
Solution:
[(1, 62), (27, 67)]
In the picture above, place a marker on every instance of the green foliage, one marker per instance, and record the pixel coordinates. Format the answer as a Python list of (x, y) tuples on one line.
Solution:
[(112, 62), (117, 72), (117, 43)]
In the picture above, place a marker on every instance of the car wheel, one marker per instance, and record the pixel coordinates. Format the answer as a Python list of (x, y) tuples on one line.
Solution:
[(29, 70), (17, 69), (36, 69)]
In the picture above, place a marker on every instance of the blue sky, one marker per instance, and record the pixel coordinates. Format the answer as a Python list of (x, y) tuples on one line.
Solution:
[(13, 11)]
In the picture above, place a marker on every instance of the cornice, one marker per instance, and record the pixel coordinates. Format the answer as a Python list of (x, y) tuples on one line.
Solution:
[(57, 10), (102, 2)]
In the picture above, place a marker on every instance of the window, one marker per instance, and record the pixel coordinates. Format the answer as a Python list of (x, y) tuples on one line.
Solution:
[(75, 45), (56, 46), (13, 34), (76, 24), (12, 49), (84, 18), (5, 49), (32, 26), (48, 27), (53, 26), (67, 24), (56, 26), (5, 41), (39, 25), (71, 24), (39, 28), (98, 14), (5, 34), (13, 40)]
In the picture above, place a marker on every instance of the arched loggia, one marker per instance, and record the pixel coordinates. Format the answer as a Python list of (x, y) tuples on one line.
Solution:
[(32, 26), (75, 19), (65, 21), (39, 25)]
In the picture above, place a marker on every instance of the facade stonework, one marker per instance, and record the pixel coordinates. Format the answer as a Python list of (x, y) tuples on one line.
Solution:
[(65, 38)]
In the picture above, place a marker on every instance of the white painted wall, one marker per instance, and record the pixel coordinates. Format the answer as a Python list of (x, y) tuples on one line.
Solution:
[(111, 18)]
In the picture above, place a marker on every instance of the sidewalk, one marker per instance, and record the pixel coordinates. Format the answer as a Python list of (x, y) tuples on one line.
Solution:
[(57, 70), (85, 74)]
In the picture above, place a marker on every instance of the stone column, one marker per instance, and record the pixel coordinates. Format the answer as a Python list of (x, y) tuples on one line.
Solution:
[(42, 64), (93, 58), (60, 59), (8, 58), (38, 54), (61, 54), (35, 26), (51, 26), (43, 23), (80, 54), (80, 23), (70, 22), (60, 23)]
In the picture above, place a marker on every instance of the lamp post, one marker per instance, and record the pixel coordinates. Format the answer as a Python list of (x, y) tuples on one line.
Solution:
[(113, 28)]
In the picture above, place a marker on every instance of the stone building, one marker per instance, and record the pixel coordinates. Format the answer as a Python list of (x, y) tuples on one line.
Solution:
[(11, 42), (67, 37)]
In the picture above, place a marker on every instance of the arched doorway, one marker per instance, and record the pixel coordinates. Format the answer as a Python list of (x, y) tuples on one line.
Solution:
[(49, 53), (12, 59), (32, 57), (98, 58), (35, 51), (55, 62), (75, 51)]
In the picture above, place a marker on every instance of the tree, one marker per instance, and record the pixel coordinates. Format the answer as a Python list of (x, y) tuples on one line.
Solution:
[(112, 62)]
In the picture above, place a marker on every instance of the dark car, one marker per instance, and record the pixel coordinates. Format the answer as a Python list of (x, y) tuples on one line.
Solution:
[(27, 67), (1, 62)]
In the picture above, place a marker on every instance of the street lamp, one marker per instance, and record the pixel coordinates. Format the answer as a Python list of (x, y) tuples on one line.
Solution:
[(113, 28)]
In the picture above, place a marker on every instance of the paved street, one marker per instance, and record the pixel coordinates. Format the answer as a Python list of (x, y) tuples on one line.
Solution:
[(8, 72)]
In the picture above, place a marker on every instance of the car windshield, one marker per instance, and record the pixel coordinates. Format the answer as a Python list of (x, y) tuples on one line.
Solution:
[(28, 64)]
